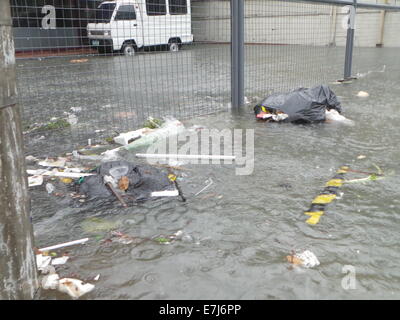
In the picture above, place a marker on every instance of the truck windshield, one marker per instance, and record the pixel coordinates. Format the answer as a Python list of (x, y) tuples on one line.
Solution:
[(104, 12)]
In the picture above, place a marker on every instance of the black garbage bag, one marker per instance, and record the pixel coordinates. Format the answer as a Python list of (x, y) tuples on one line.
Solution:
[(301, 105), (143, 180)]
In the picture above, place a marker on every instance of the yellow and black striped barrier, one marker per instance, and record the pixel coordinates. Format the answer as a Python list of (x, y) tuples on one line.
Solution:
[(328, 194)]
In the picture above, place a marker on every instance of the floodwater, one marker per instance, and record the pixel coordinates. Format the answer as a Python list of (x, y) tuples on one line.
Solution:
[(241, 228)]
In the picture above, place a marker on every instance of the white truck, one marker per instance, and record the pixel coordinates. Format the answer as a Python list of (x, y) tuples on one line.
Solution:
[(129, 25)]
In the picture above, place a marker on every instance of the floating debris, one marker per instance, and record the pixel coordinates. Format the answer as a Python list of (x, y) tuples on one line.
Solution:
[(59, 261), (74, 288), (49, 162), (306, 259), (66, 180), (210, 182), (35, 181), (65, 244), (56, 173), (42, 261), (362, 94), (50, 281), (31, 159), (165, 193), (328, 194), (50, 188), (162, 240)]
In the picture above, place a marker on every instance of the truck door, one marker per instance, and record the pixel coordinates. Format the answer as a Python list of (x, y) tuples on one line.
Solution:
[(127, 26)]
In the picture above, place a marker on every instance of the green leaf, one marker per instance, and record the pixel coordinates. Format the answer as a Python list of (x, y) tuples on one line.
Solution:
[(161, 240), (373, 177)]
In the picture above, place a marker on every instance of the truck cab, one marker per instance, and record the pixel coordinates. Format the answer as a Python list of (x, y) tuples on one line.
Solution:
[(129, 25)]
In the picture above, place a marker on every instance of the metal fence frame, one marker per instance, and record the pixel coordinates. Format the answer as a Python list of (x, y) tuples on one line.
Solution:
[(237, 41)]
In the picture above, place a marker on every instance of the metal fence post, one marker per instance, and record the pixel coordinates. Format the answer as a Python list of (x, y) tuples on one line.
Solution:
[(237, 54), (350, 43), (18, 273)]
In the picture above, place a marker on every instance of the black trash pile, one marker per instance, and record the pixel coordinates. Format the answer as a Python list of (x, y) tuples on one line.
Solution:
[(126, 182), (301, 105)]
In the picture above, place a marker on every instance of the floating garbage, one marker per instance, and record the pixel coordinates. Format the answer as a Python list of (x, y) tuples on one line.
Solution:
[(146, 136), (209, 183), (78, 156), (128, 137), (59, 162), (334, 116), (74, 288), (50, 281), (361, 156), (72, 119), (306, 259), (127, 182), (59, 261), (50, 188), (362, 94), (331, 191), (76, 109), (31, 159), (169, 128), (35, 181), (66, 180), (42, 261), (124, 238), (162, 240), (56, 173), (166, 193), (301, 105), (65, 244), (328, 194)]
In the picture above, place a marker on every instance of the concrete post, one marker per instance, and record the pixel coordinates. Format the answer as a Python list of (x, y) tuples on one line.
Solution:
[(18, 272)]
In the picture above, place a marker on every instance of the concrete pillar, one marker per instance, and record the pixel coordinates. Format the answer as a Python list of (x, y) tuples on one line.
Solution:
[(18, 272)]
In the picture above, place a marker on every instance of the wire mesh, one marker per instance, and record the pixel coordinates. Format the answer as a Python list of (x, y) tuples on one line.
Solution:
[(376, 40), (289, 45), (160, 58), (72, 90)]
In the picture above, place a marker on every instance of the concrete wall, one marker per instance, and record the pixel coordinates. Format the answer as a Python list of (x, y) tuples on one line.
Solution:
[(26, 39), (279, 22)]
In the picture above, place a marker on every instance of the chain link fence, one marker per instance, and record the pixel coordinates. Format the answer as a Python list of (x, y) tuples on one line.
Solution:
[(87, 69)]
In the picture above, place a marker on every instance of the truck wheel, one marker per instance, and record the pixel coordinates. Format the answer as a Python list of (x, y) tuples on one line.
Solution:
[(173, 46), (128, 49)]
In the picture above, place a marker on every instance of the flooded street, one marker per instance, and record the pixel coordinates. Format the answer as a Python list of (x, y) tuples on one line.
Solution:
[(241, 228)]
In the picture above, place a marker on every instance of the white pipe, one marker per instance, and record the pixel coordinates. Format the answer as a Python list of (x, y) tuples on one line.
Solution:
[(58, 173), (65, 244), (185, 156)]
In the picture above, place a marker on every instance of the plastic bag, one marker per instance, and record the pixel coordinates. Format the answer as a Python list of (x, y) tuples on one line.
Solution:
[(301, 105)]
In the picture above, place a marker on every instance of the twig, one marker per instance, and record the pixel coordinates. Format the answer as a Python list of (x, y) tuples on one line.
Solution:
[(176, 185), (108, 184)]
